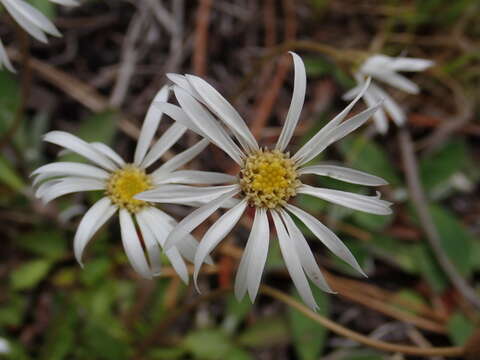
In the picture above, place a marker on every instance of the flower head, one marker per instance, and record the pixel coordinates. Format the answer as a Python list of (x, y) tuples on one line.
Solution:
[(120, 182), (32, 21), (268, 180), (385, 69)]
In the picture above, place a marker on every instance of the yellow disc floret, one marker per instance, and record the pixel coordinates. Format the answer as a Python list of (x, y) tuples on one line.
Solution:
[(124, 184), (268, 178)]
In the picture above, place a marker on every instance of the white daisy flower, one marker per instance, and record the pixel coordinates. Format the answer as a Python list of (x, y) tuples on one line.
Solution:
[(385, 69), (268, 180), (32, 21), (120, 181)]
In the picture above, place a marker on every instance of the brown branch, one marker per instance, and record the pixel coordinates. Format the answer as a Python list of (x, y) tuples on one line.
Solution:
[(362, 339), (426, 221), (201, 37)]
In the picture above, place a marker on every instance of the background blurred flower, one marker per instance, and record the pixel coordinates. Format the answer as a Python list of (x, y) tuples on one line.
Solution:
[(268, 179), (32, 21), (384, 68)]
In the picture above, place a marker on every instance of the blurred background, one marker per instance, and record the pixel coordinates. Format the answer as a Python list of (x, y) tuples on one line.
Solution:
[(97, 82)]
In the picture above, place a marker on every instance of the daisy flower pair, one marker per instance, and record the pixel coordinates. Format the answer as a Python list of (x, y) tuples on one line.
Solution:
[(268, 181)]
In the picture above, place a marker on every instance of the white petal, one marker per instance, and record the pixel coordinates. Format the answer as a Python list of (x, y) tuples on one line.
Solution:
[(339, 132), (150, 125), (215, 234), (4, 60), (151, 245), (108, 152), (207, 124), (195, 177), (379, 117), (28, 26), (163, 144), (93, 219), (394, 110), (45, 186), (132, 245), (292, 262), (181, 159), (71, 185), (326, 236), (222, 108), (344, 174), (400, 82), (370, 204), (181, 81), (296, 103), (66, 2), (179, 194), (24, 13), (70, 169), (321, 136), (177, 114), (80, 147), (198, 216), (177, 263), (309, 264), (260, 239)]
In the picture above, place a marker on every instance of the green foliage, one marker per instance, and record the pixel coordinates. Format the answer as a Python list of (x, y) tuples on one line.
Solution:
[(308, 335), (30, 274), (9, 176), (265, 332), (460, 328)]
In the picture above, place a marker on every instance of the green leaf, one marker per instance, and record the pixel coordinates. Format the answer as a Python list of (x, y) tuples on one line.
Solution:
[(30, 274), (45, 6), (438, 168), (9, 176), (46, 243), (365, 155), (98, 340), (170, 353), (427, 265), (460, 328), (265, 332), (236, 312), (9, 100), (208, 344), (455, 239), (308, 335)]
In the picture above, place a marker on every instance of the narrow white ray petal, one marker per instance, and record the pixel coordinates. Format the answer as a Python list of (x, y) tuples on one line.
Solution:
[(243, 267), (20, 9), (187, 246), (132, 245), (322, 135), (177, 114), (215, 234), (179, 194), (66, 2), (27, 25), (45, 186), (196, 217), (409, 64), (326, 236), (370, 204), (80, 147), (108, 152), (394, 110), (151, 244), (195, 177), (4, 60), (296, 104), (379, 117), (309, 264), (292, 262), (225, 112), (163, 144), (71, 185), (343, 174), (177, 263), (70, 169), (260, 239), (93, 219), (182, 158), (400, 82), (150, 125), (207, 124), (339, 132), (350, 94), (181, 81)]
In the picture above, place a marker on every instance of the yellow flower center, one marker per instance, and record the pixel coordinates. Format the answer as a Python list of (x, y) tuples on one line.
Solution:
[(124, 184), (269, 179)]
